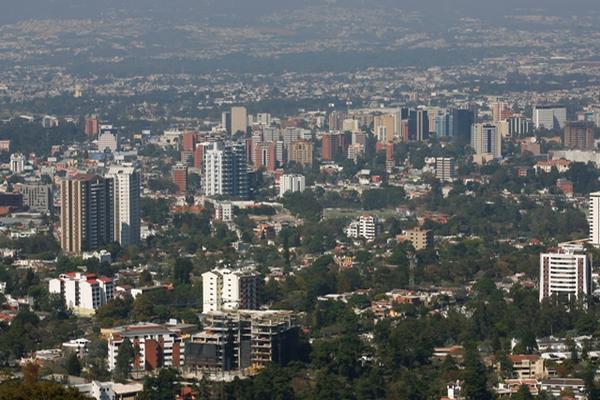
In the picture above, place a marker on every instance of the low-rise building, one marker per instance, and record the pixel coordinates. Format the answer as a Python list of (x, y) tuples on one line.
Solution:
[(159, 346), (366, 227), (83, 293)]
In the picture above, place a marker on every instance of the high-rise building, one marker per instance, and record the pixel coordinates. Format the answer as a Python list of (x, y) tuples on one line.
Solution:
[(519, 125), (82, 293), (226, 121), (385, 127), (500, 111), (188, 141), (179, 176), (126, 182), (332, 145), (579, 135), (565, 272), (301, 152), (199, 157), (462, 120), (445, 168), (91, 126), (594, 219), (225, 170), (444, 125), (226, 289), (86, 217), (239, 120), (17, 163), (291, 183), (336, 120), (486, 141), (38, 198), (418, 125), (265, 155), (549, 117)]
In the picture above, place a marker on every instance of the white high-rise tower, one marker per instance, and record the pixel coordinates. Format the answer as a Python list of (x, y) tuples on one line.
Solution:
[(594, 219), (126, 204)]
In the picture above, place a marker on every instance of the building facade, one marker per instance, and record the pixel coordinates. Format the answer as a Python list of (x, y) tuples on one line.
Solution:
[(87, 213), (225, 289), (225, 170), (566, 273), (82, 293), (291, 183), (126, 202)]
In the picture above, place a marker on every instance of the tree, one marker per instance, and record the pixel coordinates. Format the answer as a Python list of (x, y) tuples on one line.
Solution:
[(182, 270), (72, 365), (124, 360), (162, 387), (475, 376), (47, 390)]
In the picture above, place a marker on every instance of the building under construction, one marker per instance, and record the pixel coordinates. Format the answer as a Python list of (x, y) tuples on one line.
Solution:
[(241, 340)]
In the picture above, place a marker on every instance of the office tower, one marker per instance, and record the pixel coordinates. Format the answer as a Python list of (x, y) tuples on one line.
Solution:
[(486, 140), (332, 145), (91, 126), (336, 120), (291, 135), (404, 131), (565, 272), (390, 162), (500, 111), (365, 227), (445, 168), (86, 217), (225, 289), (300, 152), (37, 197), (518, 125), (82, 293), (239, 120), (351, 125), (158, 346), (17, 163), (579, 135), (356, 151), (188, 141), (291, 183), (226, 121), (199, 157), (225, 170), (444, 125), (549, 117), (263, 119), (594, 219), (126, 181), (384, 127), (179, 176), (462, 121), (265, 156), (418, 125)]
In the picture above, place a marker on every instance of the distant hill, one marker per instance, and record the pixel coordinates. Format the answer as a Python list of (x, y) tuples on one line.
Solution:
[(247, 10)]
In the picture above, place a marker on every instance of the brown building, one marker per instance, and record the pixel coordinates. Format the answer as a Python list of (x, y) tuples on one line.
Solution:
[(199, 157), (91, 126), (579, 135), (420, 238), (188, 142), (86, 217), (301, 152), (565, 185), (179, 177), (265, 156), (333, 144)]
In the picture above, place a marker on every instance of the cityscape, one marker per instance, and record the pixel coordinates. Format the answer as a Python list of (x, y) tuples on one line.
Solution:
[(322, 199)]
